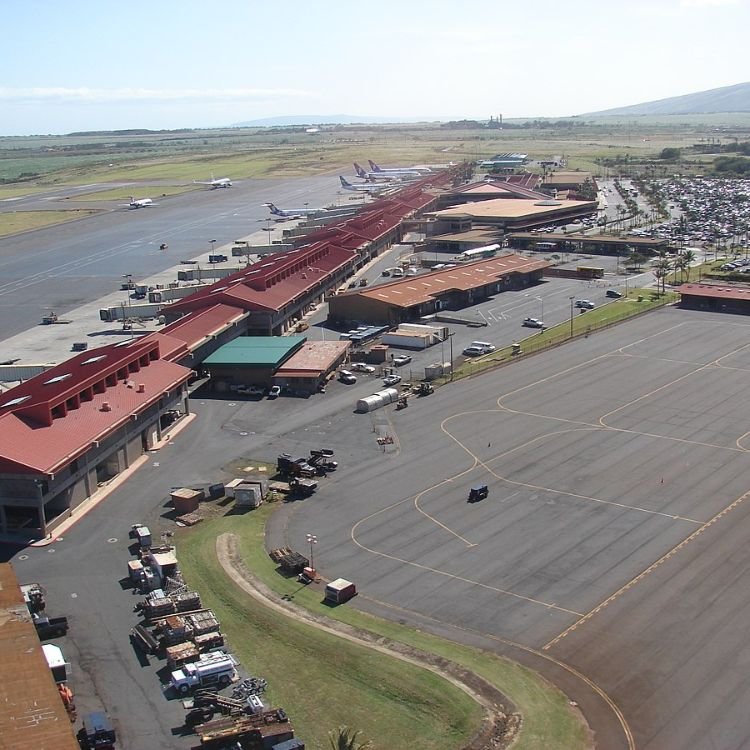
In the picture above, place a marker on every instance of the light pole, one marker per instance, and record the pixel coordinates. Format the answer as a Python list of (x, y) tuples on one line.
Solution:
[(541, 300), (129, 278), (571, 317), (312, 540), (211, 244), (450, 339)]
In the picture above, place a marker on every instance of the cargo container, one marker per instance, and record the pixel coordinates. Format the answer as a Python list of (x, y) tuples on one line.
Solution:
[(340, 591)]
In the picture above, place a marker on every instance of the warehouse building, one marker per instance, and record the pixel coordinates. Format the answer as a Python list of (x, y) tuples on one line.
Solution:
[(412, 298)]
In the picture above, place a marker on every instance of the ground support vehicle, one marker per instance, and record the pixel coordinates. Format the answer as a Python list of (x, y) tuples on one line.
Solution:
[(478, 492), (300, 487), (402, 403), (209, 670), (322, 461), (50, 627), (97, 732), (425, 389), (291, 467)]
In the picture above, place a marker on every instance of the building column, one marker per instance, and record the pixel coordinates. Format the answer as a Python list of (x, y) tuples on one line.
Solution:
[(3, 520), (40, 509)]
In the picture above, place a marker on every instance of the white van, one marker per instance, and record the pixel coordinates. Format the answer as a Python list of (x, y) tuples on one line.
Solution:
[(397, 272)]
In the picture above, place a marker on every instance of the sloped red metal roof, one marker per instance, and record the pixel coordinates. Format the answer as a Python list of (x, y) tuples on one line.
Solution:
[(718, 291), (270, 286), (30, 446), (418, 289)]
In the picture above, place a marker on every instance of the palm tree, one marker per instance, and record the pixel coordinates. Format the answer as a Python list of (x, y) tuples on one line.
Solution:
[(345, 738), (662, 267), (681, 265), (689, 258)]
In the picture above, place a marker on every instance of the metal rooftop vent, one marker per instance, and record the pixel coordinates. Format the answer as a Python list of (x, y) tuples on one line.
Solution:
[(549, 202)]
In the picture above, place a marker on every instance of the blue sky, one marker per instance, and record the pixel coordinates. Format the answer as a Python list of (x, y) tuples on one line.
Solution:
[(85, 65)]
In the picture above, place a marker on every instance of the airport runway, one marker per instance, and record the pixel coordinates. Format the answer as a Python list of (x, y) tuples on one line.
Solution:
[(62, 267)]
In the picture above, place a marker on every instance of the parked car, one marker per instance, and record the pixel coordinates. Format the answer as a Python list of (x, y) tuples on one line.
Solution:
[(613, 293), (533, 323), (401, 359), (362, 367), (474, 351), (585, 304), (345, 376), (275, 391), (391, 379)]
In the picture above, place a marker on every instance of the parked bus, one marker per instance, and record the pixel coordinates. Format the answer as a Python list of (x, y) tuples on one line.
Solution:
[(545, 246), (478, 253), (590, 272)]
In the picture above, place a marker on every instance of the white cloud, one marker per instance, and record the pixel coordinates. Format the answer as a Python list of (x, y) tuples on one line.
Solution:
[(91, 95)]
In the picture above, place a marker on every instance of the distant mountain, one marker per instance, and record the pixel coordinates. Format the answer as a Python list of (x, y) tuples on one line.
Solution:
[(726, 99), (326, 120)]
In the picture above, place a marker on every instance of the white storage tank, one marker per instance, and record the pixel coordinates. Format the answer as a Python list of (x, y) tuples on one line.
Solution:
[(370, 403), (388, 395)]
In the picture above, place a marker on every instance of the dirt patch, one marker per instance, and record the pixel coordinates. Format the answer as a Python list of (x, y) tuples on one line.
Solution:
[(501, 721)]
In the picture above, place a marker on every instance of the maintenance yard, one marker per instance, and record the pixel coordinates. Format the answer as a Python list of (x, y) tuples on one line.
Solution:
[(613, 538)]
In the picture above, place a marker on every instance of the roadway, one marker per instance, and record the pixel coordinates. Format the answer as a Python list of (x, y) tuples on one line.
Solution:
[(61, 267)]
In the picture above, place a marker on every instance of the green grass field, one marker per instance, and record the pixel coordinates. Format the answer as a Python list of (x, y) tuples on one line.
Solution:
[(398, 706), (24, 221)]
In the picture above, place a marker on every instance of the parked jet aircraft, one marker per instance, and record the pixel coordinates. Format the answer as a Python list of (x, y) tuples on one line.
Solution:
[(398, 171), (294, 213), (368, 187), (213, 183), (374, 176)]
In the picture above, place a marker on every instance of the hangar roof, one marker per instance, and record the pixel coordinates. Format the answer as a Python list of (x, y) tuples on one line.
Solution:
[(511, 208), (498, 188), (313, 359), (32, 716), (567, 178), (417, 289), (259, 351), (717, 291)]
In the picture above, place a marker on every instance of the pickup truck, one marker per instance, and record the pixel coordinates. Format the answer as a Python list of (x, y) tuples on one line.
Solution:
[(50, 627)]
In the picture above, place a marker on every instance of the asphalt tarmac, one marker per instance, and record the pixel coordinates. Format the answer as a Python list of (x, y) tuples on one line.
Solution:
[(61, 267), (610, 554)]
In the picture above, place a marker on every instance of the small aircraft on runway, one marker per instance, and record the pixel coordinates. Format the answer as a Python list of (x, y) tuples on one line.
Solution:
[(369, 187), (140, 203), (294, 213), (215, 182)]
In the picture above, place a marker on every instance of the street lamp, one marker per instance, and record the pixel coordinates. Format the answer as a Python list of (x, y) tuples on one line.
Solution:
[(212, 243), (450, 337), (312, 540), (571, 317)]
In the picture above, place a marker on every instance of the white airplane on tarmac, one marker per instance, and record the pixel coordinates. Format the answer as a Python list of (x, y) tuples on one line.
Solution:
[(140, 203), (294, 213), (392, 177), (213, 183), (368, 187), (420, 170)]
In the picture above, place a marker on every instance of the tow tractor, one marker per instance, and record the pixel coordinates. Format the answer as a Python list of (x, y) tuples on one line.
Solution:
[(425, 389), (402, 403)]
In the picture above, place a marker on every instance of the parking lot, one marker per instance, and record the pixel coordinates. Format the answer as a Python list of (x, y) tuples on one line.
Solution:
[(611, 463)]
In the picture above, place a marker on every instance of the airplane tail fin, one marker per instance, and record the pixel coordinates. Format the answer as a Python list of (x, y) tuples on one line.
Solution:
[(344, 183), (273, 209), (373, 166), (360, 172)]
